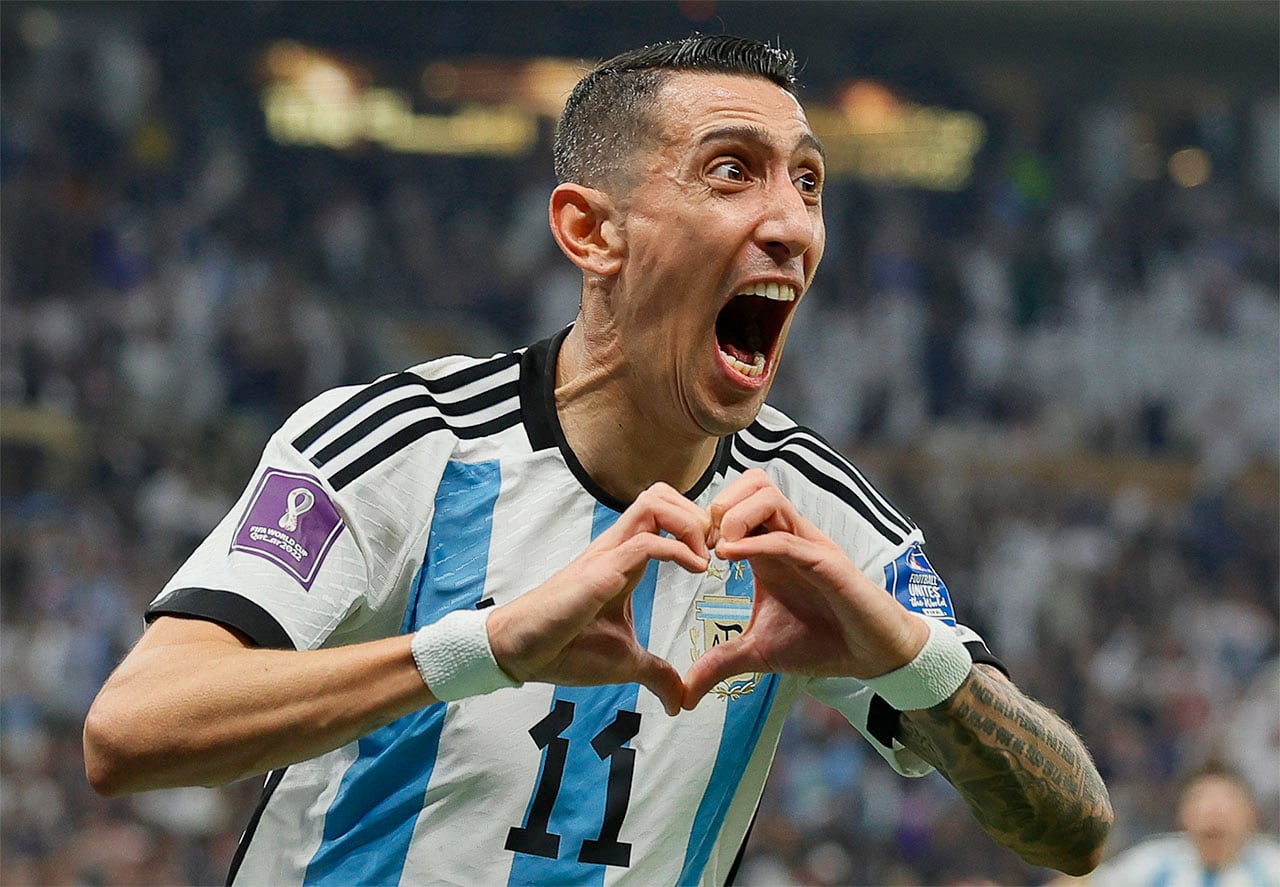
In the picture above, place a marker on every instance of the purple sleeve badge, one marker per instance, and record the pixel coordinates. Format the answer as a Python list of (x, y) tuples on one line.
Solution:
[(291, 522), (912, 580)]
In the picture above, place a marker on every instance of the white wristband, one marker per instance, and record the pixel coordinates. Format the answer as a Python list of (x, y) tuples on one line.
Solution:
[(937, 671), (454, 657)]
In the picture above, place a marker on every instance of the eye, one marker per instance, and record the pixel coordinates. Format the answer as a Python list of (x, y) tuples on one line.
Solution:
[(729, 169), (808, 183)]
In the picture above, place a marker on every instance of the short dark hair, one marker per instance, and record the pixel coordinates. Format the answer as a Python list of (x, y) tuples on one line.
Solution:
[(607, 115), (1216, 768)]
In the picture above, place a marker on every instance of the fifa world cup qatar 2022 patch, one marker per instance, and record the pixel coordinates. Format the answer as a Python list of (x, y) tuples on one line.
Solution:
[(291, 522), (912, 580)]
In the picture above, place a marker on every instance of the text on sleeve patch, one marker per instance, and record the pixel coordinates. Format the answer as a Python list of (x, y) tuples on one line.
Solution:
[(291, 522)]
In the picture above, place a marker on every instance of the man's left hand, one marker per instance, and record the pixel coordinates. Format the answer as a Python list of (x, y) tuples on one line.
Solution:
[(815, 612)]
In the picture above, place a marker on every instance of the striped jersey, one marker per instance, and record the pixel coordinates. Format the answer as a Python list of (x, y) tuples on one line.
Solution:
[(378, 509), (1171, 860)]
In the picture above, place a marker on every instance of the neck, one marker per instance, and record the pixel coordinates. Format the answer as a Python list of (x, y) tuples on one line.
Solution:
[(611, 427)]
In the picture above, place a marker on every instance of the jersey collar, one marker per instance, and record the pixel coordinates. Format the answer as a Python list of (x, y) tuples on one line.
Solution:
[(542, 423)]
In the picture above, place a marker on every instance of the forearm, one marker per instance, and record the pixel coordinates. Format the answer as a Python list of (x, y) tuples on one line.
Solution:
[(215, 712), (1025, 775)]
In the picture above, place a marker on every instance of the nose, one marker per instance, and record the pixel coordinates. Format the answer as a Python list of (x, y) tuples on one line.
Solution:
[(788, 226)]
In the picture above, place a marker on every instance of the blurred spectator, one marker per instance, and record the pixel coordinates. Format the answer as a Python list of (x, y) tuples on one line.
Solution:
[(1217, 843)]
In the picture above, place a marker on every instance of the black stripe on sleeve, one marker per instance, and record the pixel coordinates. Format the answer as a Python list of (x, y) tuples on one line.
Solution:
[(806, 438), (474, 373), (351, 404), (819, 479), (979, 653), (882, 721), (228, 609), (444, 384), (410, 433), (417, 402)]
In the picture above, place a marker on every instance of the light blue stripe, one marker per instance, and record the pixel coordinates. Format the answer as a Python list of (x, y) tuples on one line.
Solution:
[(744, 720), (726, 612), (579, 809), (1163, 874), (371, 820), (1253, 864)]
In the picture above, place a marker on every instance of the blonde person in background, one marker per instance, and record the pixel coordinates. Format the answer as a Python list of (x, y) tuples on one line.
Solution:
[(1218, 844)]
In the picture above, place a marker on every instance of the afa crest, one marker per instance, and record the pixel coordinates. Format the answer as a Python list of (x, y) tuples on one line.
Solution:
[(722, 617)]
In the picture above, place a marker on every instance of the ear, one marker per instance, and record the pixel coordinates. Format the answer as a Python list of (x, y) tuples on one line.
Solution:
[(583, 223)]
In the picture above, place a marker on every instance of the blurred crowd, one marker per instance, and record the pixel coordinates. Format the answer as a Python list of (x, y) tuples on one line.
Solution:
[(1067, 374)]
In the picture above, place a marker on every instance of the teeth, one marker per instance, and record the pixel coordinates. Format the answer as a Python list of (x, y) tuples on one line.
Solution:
[(755, 368), (783, 292)]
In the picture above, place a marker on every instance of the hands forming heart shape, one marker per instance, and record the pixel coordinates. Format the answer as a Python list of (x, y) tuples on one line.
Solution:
[(815, 612)]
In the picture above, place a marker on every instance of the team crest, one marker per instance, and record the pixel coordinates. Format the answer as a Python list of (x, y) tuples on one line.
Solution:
[(722, 617)]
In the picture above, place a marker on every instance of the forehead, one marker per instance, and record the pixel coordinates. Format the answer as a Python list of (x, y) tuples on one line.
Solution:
[(1215, 792), (691, 105)]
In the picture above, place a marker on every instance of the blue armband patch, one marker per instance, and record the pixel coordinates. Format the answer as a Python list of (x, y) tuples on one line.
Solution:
[(912, 580)]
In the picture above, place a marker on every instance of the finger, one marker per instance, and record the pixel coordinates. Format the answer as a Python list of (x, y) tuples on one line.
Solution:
[(720, 662), (662, 679), (748, 483), (636, 552), (661, 508), (766, 507), (779, 544)]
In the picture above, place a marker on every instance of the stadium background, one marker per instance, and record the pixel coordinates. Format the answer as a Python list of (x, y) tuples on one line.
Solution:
[(1047, 324)]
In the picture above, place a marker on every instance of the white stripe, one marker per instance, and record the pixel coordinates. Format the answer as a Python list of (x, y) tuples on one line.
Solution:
[(294, 819), (395, 395), (398, 423), (829, 457), (503, 376)]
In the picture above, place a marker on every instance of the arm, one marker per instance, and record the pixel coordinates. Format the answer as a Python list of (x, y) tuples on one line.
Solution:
[(196, 703), (1028, 778), (1025, 775)]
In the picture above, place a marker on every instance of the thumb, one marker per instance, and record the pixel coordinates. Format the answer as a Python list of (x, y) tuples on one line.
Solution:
[(721, 661), (662, 679)]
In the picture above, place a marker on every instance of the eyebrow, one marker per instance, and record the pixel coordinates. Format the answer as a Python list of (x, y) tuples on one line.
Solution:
[(762, 136)]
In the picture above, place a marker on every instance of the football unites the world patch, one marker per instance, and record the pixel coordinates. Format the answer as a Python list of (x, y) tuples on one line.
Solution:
[(291, 522), (912, 580)]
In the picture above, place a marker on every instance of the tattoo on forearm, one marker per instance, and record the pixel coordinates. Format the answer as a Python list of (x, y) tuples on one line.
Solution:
[(1023, 772)]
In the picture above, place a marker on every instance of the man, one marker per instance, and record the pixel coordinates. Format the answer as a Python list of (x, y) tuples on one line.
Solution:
[(1218, 843), (432, 611)]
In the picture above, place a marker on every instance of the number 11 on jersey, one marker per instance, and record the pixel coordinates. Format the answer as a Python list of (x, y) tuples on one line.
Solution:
[(535, 836)]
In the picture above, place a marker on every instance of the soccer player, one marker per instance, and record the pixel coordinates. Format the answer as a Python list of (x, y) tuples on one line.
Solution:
[(538, 618), (1218, 844)]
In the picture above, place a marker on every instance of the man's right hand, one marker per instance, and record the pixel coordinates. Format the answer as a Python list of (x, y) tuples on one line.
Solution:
[(576, 629)]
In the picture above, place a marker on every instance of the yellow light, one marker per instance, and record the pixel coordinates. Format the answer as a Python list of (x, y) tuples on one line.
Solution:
[(870, 105), (40, 28), (874, 135), (1190, 167)]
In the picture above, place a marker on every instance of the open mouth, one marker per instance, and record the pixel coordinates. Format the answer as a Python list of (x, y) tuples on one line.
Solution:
[(748, 327)]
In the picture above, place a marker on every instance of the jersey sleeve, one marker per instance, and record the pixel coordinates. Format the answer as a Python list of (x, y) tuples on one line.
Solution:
[(903, 570), (283, 566), (890, 549), (296, 563)]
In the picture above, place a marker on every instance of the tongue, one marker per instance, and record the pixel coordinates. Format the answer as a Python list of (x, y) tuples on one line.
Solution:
[(740, 353)]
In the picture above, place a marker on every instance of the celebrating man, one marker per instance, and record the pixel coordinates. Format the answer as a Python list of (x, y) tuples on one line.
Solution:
[(431, 614)]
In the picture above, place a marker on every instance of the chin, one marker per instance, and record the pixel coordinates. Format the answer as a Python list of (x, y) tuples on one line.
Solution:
[(722, 421)]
